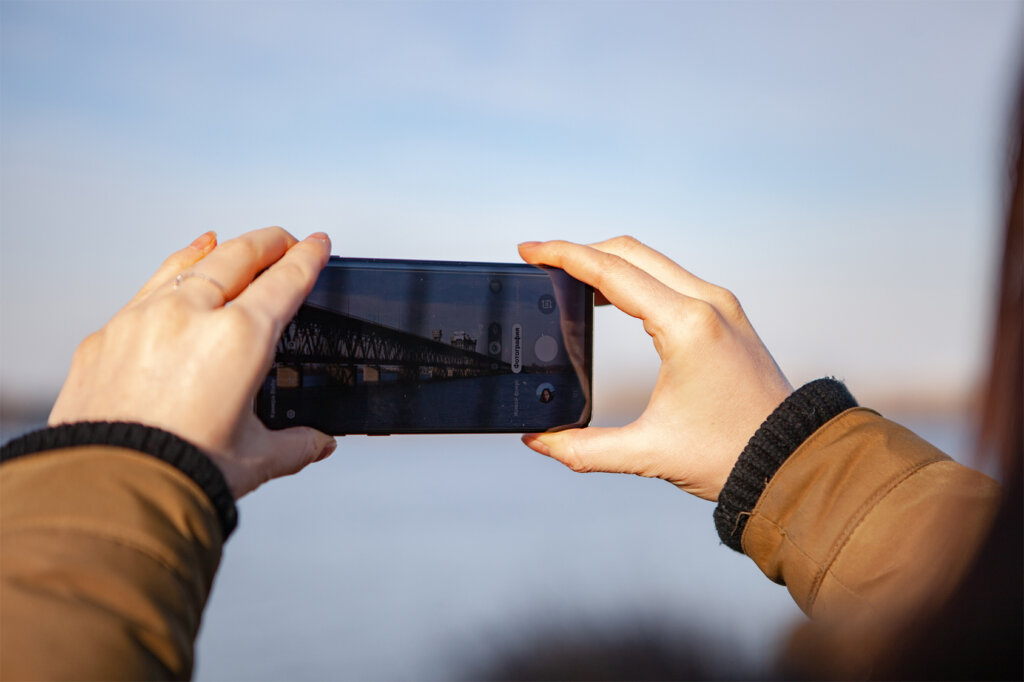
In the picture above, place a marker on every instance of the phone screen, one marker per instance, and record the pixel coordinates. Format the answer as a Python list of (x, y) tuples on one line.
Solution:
[(386, 346)]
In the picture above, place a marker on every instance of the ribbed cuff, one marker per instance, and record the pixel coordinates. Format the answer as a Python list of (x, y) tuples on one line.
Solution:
[(785, 429), (147, 439)]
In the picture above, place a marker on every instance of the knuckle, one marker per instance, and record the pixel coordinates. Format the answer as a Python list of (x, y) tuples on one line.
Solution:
[(152, 319), (705, 312), (624, 242), (88, 348), (242, 248), (575, 462), (705, 319), (666, 327), (727, 302), (250, 324), (578, 466), (296, 271), (279, 234), (171, 311)]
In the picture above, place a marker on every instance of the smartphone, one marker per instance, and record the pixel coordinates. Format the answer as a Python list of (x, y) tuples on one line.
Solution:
[(405, 346)]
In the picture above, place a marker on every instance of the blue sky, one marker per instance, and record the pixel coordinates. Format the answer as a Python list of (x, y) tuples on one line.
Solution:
[(838, 165)]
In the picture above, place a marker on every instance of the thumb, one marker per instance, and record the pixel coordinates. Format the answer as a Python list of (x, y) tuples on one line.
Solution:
[(290, 450), (607, 449)]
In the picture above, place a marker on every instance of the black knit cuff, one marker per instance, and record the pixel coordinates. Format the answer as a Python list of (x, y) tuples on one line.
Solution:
[(147, 439), (785, 429)]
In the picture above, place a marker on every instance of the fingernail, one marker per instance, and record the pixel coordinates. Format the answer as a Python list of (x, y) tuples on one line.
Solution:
[(331, 446), (204, 240), (535, 444), (528, 244), (322, 236)]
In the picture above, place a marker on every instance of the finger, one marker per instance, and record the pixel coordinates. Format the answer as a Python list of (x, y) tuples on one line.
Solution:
[(590, 449), (235, 263), (657, 265), (291, 450), (626, 286), (176, 263), (277, 294)]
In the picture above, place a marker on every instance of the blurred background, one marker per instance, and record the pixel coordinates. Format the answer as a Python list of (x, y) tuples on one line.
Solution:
[(840, 166)]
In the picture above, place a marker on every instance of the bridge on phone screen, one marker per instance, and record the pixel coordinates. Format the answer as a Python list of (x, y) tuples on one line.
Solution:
[(322, 336)]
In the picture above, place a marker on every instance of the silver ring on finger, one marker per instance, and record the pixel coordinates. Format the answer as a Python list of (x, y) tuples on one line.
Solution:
[(206, 278)]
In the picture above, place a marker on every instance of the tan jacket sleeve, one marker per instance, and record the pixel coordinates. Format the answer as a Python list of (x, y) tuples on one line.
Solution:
[(866, 522), (107, 557)]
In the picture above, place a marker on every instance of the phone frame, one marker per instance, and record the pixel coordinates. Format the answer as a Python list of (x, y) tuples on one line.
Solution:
[(485, 268)]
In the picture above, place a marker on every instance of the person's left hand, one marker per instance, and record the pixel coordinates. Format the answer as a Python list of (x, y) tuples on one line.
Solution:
[(180, 358), (717, 382)]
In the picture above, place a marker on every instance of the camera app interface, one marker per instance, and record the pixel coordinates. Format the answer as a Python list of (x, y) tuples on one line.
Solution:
[(382, 346)]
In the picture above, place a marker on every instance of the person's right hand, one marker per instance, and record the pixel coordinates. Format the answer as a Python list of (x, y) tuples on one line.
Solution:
[(717, 381)]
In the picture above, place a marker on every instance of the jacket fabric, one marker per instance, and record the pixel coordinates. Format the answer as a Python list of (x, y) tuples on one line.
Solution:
[(870, 528), (107, 554), (107, 557)]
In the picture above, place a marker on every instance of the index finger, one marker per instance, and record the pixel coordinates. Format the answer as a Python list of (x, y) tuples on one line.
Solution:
[(623, 284), (658, 265), (277, 293)]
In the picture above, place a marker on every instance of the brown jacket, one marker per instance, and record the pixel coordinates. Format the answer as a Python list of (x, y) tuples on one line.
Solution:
[(106, 561), (869, 527), (107, 555)]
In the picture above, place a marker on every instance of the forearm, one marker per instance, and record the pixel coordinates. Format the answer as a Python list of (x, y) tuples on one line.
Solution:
[(109, 553)]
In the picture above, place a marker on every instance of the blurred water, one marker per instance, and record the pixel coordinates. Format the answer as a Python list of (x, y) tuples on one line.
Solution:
[(418, 557), (411, 557)]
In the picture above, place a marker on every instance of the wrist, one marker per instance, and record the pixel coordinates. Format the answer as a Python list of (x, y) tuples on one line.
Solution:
[(785, 429)]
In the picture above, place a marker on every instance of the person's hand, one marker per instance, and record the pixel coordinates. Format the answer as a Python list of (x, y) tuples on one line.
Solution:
[(179, 358), (717, 381)]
